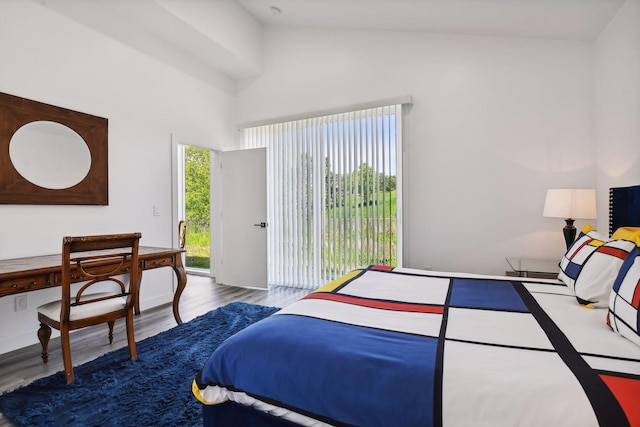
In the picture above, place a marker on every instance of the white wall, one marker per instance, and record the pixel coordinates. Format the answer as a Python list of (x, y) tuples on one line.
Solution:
[(48, 58), (617, 126), (495, 122)]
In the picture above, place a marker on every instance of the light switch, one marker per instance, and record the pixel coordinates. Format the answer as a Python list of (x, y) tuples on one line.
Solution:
[(156, 210)]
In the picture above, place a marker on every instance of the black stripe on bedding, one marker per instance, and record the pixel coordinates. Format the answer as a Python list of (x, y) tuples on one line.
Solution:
[(438, 374), (605, 406), (346, 282), (490, 344)]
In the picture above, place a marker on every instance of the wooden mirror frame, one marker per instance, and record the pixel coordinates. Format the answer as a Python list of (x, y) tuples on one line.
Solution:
[(15, 112)]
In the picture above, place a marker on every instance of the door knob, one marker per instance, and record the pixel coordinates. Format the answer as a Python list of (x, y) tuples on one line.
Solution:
[(261, 225)]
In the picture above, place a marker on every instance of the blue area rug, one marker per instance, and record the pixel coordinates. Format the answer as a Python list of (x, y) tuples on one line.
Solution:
[(154, 390)]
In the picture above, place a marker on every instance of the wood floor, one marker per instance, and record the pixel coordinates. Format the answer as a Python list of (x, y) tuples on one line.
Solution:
[(202, 294)]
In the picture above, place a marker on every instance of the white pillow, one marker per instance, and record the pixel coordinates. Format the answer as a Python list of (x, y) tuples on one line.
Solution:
[(624, 316), (591, 265)]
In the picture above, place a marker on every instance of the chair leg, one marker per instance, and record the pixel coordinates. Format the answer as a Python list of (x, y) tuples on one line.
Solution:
[(131, 340), (44, 334), (66, 353), (113, 322)]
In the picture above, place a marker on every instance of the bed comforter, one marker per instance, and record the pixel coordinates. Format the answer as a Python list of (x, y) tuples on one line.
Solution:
[(410, 348)]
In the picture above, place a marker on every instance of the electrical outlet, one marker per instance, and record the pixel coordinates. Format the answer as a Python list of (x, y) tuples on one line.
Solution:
[(21, 302)]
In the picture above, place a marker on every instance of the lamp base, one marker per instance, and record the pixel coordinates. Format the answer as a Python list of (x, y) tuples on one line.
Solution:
[(569, 231)]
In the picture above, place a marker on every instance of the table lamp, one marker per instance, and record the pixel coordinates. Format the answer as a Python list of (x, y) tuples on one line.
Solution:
[(570, 204)]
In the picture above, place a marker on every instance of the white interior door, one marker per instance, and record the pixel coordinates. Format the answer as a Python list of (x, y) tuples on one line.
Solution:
[(243, 209)]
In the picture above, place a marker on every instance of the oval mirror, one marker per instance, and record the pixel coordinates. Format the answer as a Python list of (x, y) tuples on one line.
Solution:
[(50, 155)]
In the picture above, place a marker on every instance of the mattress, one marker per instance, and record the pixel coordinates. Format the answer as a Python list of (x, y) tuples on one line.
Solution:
[(385, 347)]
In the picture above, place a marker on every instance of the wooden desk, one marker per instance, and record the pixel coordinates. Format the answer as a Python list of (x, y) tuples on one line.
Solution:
[(42, 272)]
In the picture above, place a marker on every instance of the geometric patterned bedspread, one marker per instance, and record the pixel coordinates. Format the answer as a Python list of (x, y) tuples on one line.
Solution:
[(416, 348)]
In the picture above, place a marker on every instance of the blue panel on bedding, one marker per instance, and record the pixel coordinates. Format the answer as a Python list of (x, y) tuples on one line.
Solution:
[(573, 270), (487, 294), (385, 367)]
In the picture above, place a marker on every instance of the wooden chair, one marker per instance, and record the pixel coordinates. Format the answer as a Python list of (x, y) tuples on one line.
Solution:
[(106, 259), (182, 234)]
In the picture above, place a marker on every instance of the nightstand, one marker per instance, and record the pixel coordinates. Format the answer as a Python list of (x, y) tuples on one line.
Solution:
[(534, 268)]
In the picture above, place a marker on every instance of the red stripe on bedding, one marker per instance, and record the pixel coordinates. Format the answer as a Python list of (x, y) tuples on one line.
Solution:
[(636, 296), (618, 253), (371, 303), (381, 267), (577, 251)]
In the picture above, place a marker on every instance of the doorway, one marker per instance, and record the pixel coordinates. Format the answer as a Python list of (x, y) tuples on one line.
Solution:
[(192, 182)]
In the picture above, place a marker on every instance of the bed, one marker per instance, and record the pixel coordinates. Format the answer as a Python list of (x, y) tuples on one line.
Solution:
[(387, 346)]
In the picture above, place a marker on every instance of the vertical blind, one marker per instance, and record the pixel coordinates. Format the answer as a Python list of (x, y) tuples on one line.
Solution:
[(333, 193)]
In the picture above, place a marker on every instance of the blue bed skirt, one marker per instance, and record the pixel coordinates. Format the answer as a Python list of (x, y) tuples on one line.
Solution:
[(232, 414)]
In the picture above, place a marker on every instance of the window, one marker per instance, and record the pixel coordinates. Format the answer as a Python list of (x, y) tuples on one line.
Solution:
[(333, 193)]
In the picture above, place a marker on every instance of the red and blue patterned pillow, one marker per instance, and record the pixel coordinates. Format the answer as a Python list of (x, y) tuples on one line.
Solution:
[(591, 265), (624, 316)]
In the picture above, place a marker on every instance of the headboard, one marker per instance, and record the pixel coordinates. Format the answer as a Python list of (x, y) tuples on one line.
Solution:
[(624, 207)]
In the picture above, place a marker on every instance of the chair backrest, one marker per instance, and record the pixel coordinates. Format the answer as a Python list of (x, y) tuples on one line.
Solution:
[(96, 259), (182, 234)]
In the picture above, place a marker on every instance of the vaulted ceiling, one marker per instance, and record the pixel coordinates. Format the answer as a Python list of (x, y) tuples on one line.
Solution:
[(565, 19), (220, 41)]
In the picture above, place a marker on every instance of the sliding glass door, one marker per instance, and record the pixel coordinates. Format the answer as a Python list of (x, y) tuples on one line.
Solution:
[(334, 194)]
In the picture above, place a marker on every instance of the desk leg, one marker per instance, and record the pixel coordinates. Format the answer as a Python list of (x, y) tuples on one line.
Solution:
[(136, 306), (181, 275)]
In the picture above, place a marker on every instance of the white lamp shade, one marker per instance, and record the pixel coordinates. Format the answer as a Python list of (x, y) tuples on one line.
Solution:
[(570, 203)]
